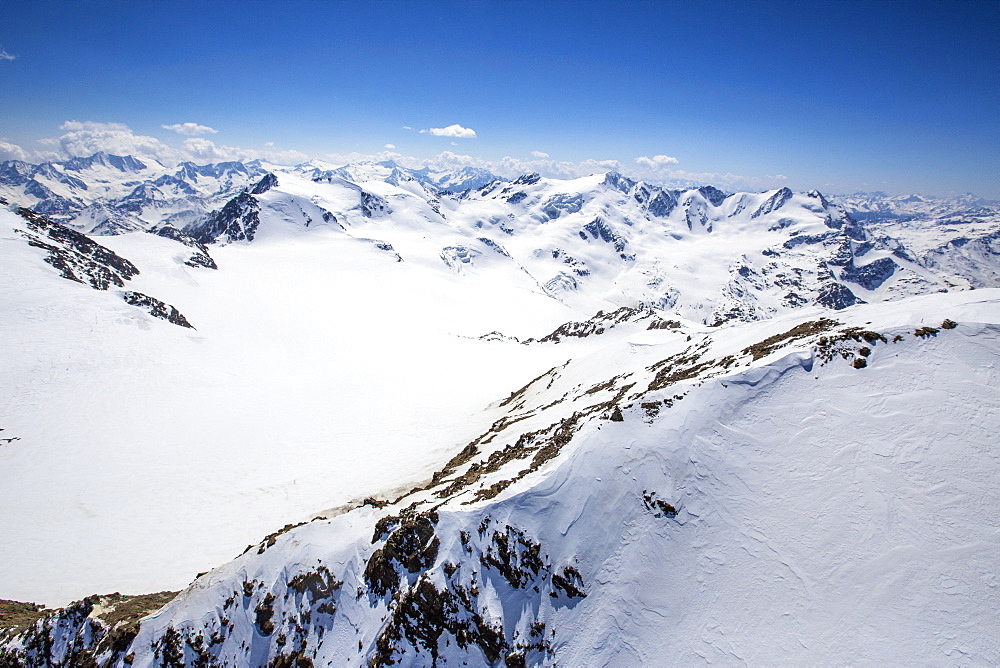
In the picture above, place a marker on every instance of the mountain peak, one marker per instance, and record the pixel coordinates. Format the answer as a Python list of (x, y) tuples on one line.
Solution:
[(125, 163)]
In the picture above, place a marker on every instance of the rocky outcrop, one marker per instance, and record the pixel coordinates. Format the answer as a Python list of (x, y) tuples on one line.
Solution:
[(236, 221), (837, 296), (156, 308), (200, 258), (76, 256)]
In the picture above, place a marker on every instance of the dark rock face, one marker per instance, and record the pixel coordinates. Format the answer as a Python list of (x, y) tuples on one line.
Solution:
[(174, 182), (569, 581), (837, 296), (577, 266), (517, 197), (773, 202), (599, 229), (713, 195), (527, 179), (237, 221), (77, 256), (426, 611), (269, 181), (386, 247), (807, 239), (413, 545), (494, 246), (373, 205), (977, 260), (200, 258), (14, 172), (662, 204), (870, 276), (514, 556), (97, 630), (156, 308)]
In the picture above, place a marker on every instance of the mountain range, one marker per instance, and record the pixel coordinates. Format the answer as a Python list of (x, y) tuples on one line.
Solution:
[(462, 419)]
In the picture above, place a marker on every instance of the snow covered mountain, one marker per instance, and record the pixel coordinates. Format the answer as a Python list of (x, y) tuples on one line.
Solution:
[(880, 205), (593, 243), (108, 194), (526, 422)]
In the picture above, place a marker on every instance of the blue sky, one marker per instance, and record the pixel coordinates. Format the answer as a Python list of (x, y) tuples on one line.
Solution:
[(840, 96)]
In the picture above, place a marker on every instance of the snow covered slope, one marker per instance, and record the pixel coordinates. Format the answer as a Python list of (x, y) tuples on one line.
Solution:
[(593, 243), (955, 237), (587, 421), (313, 375), (109, 194), (729, 498)]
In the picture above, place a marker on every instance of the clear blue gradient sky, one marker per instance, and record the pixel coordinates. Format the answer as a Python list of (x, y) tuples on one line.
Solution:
[(840, 96)]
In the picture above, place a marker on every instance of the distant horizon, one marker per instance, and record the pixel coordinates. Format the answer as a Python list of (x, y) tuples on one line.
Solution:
[(844, 97), (674, 184)]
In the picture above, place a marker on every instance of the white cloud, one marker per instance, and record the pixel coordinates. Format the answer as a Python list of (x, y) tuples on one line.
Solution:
[(190, 129), (340, 159), (10, 151), (85, 138), (6, 56), (511, 167), (206, 150), (407, 127), (455, 130), (93, 126), (656, 160)]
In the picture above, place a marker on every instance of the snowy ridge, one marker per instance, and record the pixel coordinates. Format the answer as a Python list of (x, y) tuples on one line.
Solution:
[(880, 205), (607, 241), (78, 258), (592, 243), (704, 426), (735, 485)]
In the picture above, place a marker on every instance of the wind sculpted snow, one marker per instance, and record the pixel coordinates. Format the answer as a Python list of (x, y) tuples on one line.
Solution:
[(740, 508)]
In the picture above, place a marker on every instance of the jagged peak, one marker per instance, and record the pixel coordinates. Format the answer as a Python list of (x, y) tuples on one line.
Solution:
[(269, 181), (529, 179), (123, 163), (713, 195), (621, 183)]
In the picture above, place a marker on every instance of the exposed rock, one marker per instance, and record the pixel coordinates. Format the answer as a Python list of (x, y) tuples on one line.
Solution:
[(236, 221), (76, 256), (269, 181), (200, 258), (773, 202), (870, 276), (156, 308), (837, 296), (373, 206), (412, 545), (95, 631)]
